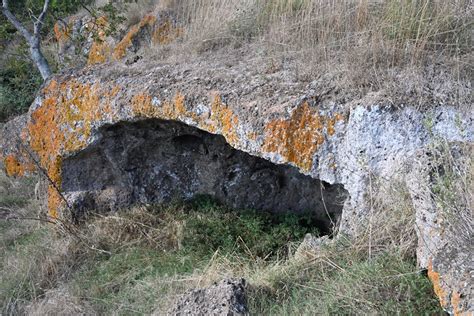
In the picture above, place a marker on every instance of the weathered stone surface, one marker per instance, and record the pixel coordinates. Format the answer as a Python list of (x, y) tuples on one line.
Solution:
[(311, 246), (77, 119), (224, 298), (83, 39), (446, 243)]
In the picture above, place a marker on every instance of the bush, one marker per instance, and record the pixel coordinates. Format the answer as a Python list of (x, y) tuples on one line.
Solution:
[(19, 81)]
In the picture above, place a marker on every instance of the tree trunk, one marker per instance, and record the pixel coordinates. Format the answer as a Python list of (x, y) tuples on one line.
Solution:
[(33, 39)]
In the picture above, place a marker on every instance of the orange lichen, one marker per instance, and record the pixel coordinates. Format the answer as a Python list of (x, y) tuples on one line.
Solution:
[(99, 53), (120, 49), (61, 31), (223, 120), (142, 105), (331, 123), (15, 167), (455, 302), (62, 124), (297, 138), (251, 135), (46, 139), (171, 110), (100, 49), (436, 280), (179, 103), (107, 108), (165, 33)]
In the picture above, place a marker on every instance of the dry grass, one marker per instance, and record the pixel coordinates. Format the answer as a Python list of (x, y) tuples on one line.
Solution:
[(373, 274), (453, 189), (409, 50)]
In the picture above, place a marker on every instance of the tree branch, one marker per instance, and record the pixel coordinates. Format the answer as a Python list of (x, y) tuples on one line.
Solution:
[(41, 18), (16, 23)]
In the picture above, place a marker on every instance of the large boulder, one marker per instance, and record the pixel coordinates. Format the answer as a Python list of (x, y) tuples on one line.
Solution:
[(122, 133)]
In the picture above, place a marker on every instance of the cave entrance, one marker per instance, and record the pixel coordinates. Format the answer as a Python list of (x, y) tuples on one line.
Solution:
[(158, 161)]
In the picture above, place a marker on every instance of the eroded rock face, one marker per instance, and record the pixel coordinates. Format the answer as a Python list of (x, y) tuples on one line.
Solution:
[(444, 214), (156, 161), (113, 135), (224, 298), (82, 39)]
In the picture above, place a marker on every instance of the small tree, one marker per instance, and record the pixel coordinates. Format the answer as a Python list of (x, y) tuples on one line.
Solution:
[(33, 39)]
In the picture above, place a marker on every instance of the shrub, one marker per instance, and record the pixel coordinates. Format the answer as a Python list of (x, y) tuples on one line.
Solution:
[(19, 81)]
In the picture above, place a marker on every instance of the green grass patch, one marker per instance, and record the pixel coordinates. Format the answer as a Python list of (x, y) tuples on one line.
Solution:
[(21, 264), (137, 261), (131, 278), (9, 201), (386, 285)]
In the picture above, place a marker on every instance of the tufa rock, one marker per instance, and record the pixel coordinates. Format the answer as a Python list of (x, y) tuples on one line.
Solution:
[(124, 125), (224, 298)]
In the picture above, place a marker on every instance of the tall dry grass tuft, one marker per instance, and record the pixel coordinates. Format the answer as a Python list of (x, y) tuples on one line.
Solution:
[(453, 189), (405, 48), (405, 30)]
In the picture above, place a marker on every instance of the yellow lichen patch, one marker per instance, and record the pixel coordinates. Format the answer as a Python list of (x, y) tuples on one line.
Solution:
[(331, 123), (99, 53), (174, 110), (165, 33), (82, 105), (46, 139), (100, 49), (223, 120), (107, 107), (120, 49), (297, 138), (251, 136), (142, 105), (15, 167), (171, 110), (55, 201), (179, 104), (436, 280), (456, 305)]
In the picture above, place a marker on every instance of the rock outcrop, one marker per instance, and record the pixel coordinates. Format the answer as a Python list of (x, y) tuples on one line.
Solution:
[(83, 39), (104, 136)]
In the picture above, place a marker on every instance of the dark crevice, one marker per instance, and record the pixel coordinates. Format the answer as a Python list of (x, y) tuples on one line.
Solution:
[(156, 161)]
